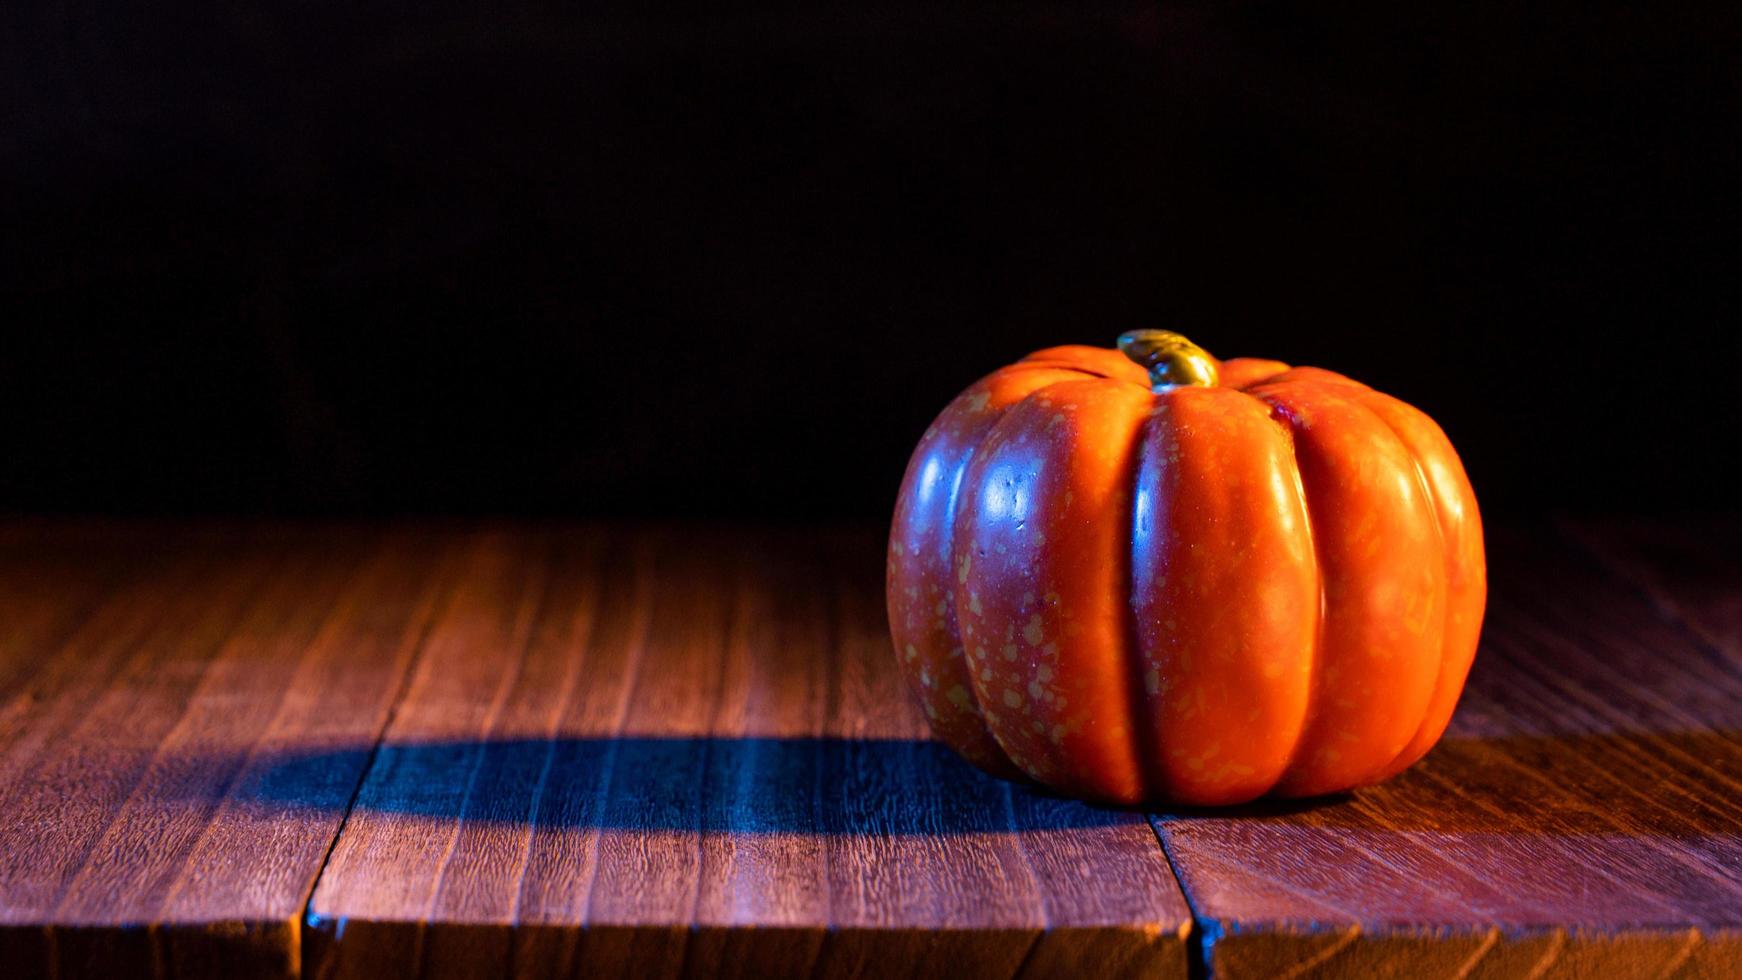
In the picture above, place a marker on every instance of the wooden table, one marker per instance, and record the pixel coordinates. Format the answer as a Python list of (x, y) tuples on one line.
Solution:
[(595, 751)]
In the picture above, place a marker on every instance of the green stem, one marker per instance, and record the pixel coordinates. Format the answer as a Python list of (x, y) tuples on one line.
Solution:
[(1170, 359)]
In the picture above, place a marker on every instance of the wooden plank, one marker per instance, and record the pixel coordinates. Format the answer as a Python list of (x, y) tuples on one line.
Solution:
[(1582, 815), (763, 899), (687, 753), (990, 868), (1688, 570), (52, 574), (133, 830)]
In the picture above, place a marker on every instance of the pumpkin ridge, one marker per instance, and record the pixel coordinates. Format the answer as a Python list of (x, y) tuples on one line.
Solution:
[(1322, 409), (1425, 440), (953, 510), (1446, 559), (958, 603), (1088, 409), (965, 421), (1225, 590)]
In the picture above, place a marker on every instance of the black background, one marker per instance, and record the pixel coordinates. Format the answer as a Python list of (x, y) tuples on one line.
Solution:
[(728, 260)]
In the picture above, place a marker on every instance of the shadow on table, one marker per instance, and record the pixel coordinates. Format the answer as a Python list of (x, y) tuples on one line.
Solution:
[(1657, 784), (741, 785)]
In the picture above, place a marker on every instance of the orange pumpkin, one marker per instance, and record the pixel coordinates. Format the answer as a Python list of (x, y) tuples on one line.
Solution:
[(1145, 574)]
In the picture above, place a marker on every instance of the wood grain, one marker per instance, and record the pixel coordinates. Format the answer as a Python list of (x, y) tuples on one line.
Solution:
[(552, 751), (687, 753), (1689, 572), (130, 833), (1583, 816)]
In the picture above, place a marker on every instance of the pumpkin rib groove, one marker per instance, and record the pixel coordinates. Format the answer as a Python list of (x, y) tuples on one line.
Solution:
[(1235, 370), (1149, 775), (1130, 657), (1026, 366), (1088, 374), (1315, 679)]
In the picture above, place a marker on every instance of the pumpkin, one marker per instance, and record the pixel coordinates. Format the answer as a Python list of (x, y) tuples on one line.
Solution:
[(1144, 574)]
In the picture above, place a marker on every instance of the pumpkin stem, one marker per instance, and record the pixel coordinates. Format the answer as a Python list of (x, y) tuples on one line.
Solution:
[(1170, 359)]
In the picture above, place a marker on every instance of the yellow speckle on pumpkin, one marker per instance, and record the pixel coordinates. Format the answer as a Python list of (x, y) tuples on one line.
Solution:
[(912, 652), (1012, 699), (1032, 632), (958, 696), (1196, 764), (974, 603), (1010, 651)]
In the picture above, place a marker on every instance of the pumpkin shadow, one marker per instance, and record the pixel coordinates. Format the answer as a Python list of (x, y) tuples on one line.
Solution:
[(1473, 787), (829, 786)]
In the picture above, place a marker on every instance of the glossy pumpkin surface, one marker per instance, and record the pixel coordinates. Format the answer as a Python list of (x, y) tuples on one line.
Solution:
[(1262, 581)]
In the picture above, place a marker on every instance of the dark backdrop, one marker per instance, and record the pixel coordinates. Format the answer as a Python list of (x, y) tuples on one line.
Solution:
[(728, 259)]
